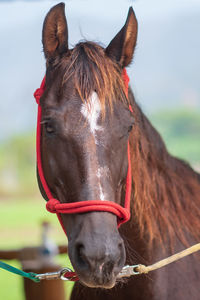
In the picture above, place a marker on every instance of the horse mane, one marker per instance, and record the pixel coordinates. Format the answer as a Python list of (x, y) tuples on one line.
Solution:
[(166, 190)]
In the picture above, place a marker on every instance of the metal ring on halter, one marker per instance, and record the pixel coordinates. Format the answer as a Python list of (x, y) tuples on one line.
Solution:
[(66, 270)]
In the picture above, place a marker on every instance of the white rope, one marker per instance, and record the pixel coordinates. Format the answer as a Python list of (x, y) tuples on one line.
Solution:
[(146, 269)]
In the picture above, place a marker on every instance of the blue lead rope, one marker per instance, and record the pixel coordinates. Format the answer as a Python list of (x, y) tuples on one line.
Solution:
[(14, 270)]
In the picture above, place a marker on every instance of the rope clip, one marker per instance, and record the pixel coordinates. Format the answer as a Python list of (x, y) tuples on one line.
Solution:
[(55, 275), (128, 271)]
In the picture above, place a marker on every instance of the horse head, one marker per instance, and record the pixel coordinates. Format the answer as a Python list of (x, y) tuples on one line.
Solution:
[(85, 128)]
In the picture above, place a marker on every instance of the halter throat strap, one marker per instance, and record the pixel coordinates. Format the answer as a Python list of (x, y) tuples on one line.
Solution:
[(54, 205)]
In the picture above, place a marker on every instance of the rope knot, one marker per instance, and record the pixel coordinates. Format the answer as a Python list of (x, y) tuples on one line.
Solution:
[(38, 93), (51, 205)]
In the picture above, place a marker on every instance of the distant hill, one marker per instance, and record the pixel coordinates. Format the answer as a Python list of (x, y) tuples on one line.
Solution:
[(180, 130)]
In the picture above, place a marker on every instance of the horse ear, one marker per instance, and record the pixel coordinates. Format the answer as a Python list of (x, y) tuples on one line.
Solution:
[(55, 32), (121, 48)]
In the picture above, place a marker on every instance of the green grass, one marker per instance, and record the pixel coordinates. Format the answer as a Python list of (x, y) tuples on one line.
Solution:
[(20, 226)]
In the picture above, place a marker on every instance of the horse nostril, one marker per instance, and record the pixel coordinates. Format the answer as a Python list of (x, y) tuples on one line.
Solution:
[(80, 256), (108, 267)]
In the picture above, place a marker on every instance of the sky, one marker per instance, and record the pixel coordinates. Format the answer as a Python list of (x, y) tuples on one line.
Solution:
[(165, 72)]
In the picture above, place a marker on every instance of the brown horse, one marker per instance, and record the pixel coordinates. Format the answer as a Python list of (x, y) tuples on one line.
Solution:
[(86, 124)]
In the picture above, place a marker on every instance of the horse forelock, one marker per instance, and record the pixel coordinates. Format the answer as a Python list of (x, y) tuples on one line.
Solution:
[(90, 69)]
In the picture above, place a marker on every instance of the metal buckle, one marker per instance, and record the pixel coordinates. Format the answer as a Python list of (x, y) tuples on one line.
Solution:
[(48, 276), (54, 275), (128, 271), (62, 273)]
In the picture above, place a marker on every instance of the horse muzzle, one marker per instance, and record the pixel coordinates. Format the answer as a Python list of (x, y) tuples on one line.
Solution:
[(96, 249)]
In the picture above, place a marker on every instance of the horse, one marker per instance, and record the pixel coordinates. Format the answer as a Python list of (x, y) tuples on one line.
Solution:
[(86, 127)]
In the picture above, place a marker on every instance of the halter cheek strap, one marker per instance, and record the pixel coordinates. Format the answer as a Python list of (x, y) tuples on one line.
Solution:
[(55, 206)]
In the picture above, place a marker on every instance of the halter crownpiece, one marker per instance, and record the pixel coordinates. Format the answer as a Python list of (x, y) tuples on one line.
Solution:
[(54, 205)]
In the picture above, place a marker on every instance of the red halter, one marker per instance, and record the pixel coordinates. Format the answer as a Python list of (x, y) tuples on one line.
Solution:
[(55, 206)]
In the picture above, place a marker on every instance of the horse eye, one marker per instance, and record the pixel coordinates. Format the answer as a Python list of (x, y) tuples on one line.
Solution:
[(130, 128), (49, 128)]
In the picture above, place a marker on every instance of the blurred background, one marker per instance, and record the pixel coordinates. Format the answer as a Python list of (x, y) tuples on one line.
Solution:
[(165, 77)]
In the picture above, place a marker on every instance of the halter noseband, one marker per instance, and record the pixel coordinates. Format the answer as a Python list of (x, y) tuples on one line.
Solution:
[(55, 206)]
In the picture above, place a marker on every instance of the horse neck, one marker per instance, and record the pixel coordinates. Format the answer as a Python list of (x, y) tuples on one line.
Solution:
[(166, 191)]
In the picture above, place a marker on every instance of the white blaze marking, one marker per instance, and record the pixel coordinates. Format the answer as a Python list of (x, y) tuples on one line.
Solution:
[(92, 112), (102, 171), (102, 196)]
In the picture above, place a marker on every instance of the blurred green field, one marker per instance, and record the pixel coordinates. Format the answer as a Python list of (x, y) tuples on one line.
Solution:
[(17, 166), (180, 130), (23, 209), (20, 222)]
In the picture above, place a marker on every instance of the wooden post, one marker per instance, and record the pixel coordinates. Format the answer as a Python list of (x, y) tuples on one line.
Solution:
[(46, 289)]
